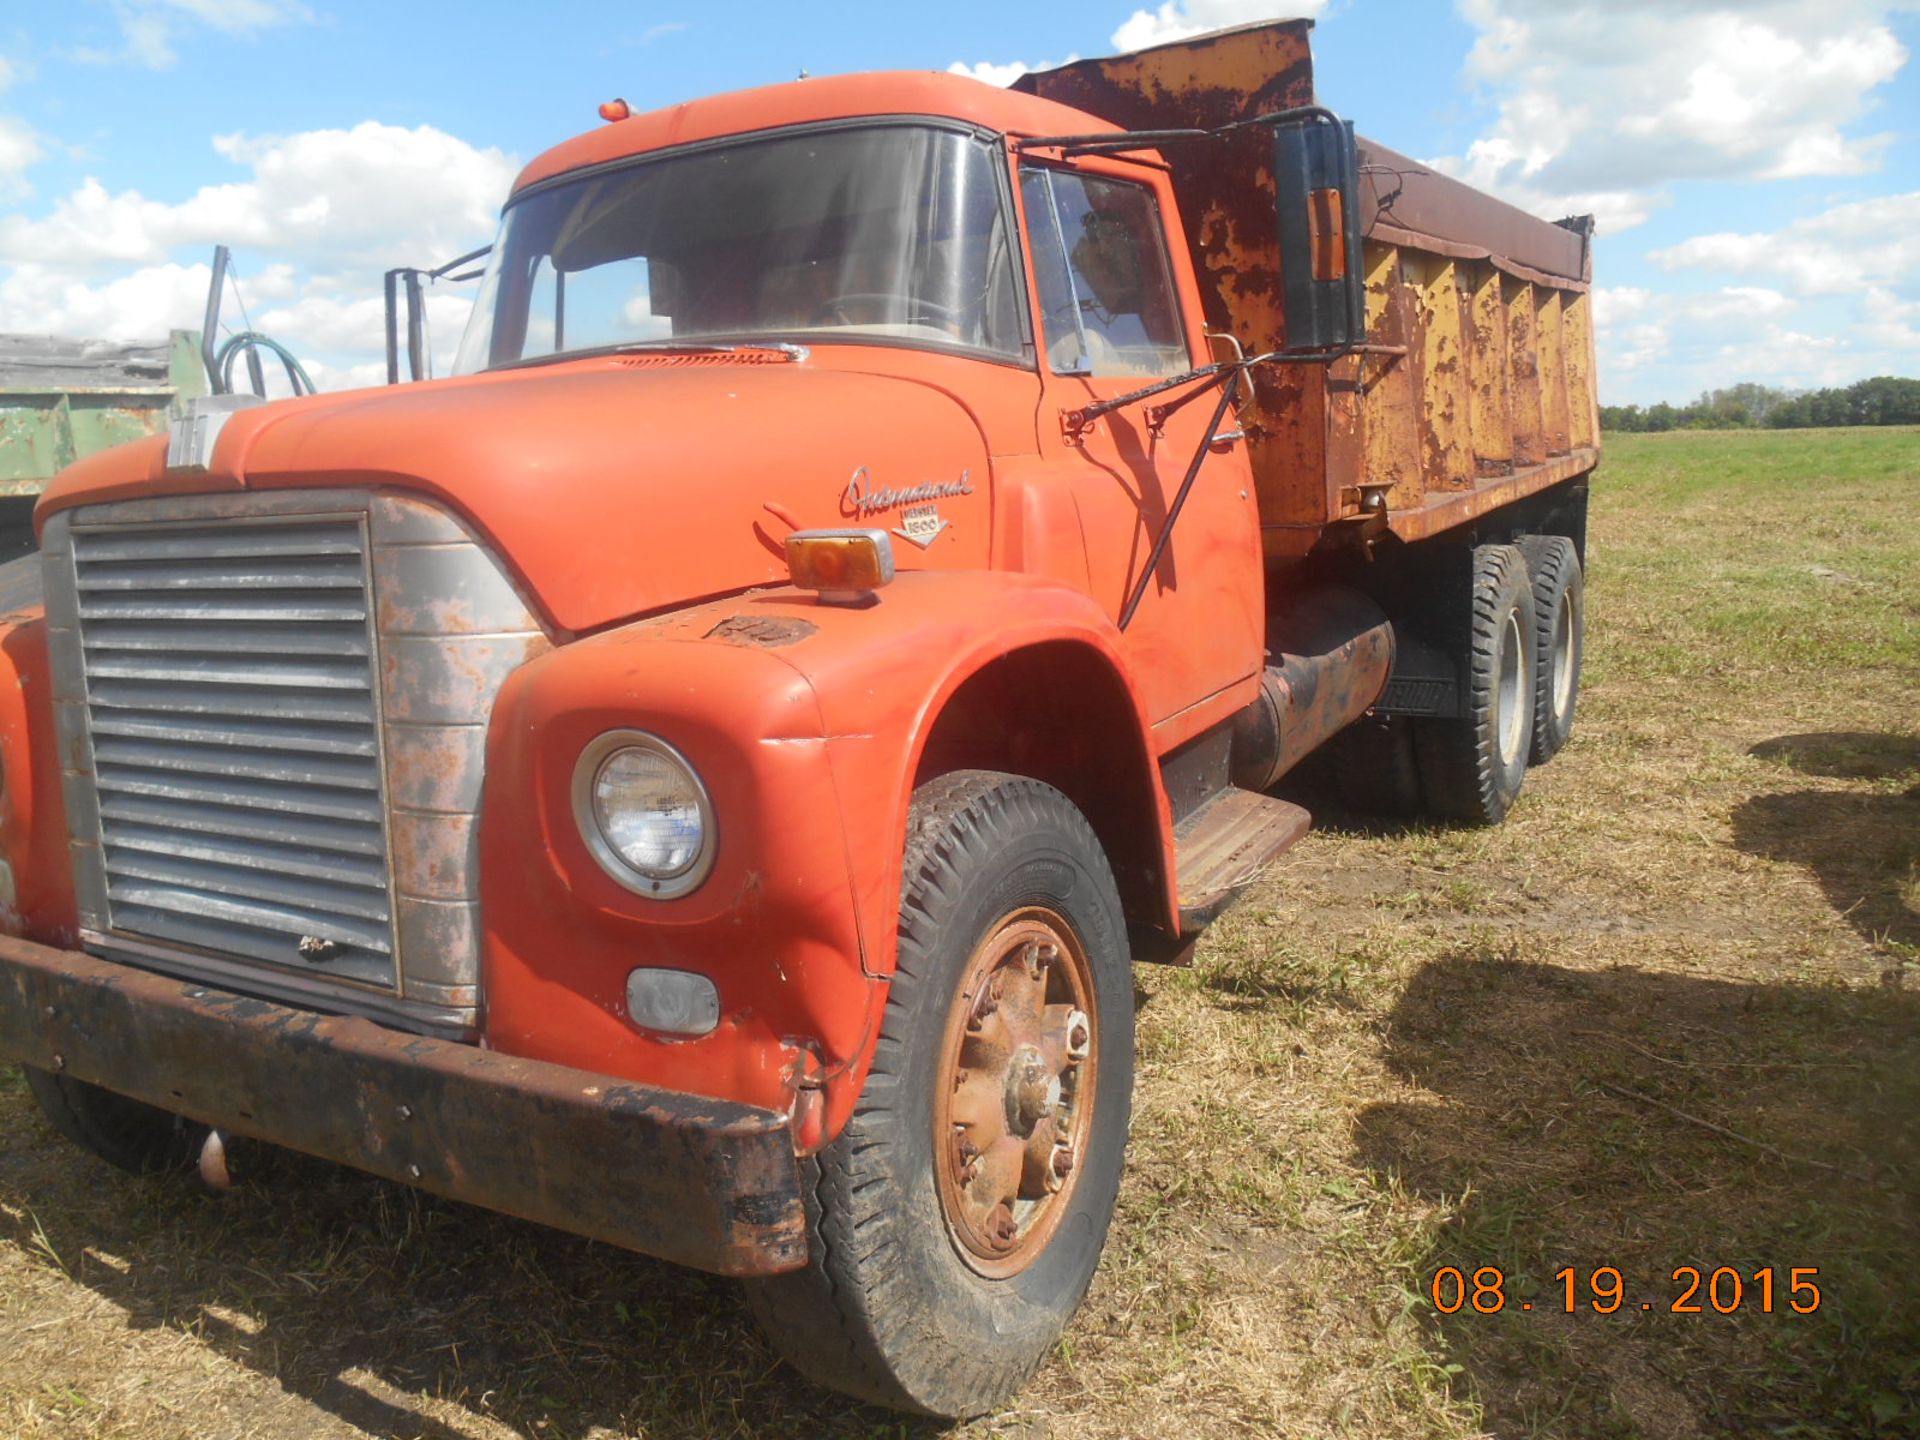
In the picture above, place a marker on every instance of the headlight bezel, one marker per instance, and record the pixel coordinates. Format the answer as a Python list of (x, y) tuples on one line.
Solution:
[(586, 816)]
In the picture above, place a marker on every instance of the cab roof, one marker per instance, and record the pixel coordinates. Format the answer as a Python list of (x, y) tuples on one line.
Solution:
[(803, 102)]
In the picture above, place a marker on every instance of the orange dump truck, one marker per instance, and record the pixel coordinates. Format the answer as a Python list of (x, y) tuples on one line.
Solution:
[(699, 776)]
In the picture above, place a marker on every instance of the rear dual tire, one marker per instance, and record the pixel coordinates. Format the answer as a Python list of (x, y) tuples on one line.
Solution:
[(1559, 616), (1473, 765)]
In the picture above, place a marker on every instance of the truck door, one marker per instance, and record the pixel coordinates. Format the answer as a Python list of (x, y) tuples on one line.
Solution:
[(1111, 321)]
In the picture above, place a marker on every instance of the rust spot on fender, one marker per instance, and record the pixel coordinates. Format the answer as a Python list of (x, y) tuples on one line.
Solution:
[(769, 632)]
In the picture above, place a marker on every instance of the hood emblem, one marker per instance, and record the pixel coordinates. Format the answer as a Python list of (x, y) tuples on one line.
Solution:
[(921, 525), (863, 498)]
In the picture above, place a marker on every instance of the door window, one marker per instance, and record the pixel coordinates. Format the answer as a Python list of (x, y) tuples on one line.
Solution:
[(1100, 261)]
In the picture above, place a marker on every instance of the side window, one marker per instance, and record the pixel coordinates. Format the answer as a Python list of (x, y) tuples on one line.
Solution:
[(1100, 261)]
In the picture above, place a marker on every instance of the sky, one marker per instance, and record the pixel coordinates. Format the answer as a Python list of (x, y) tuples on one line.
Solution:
[(1754, 164)]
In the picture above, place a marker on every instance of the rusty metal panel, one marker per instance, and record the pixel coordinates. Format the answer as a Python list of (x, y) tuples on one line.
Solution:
[(1583, 408), (1389, 423), (1488, 375), (1445, 397), (1529, 417), (1226, 196), (697, 1181), (1553, 371)]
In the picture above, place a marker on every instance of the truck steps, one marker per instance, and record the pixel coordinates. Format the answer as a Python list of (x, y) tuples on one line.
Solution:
[(1224, 845)]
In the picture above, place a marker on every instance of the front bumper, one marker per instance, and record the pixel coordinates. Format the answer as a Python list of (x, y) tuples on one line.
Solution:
[(701, 1182)]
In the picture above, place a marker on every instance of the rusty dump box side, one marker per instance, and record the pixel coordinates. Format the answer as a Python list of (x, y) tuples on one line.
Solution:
[(1492, 396)]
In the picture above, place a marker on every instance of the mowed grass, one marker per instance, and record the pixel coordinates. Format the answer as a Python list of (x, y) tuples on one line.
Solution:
[(1665, 1016)]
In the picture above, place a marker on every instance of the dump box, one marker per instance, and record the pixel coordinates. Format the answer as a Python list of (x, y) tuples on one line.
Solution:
[(1476, 386)]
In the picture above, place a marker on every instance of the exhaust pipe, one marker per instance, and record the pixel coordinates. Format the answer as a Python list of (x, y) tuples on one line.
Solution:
[(1328, 657)]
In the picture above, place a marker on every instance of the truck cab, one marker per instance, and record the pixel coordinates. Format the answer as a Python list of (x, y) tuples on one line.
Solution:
[(699, 774)]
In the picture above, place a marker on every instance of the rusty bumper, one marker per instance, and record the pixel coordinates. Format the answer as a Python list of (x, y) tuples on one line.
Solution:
[(701, 1182)]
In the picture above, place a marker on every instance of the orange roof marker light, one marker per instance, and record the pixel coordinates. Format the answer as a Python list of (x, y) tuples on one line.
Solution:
[(845, 566), (615, 110)]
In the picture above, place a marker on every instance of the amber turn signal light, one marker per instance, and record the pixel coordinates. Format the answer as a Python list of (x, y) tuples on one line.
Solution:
[(842, 565), (615, 110)]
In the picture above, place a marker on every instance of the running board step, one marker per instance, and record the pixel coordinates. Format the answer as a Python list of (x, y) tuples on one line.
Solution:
[(1224, 845)]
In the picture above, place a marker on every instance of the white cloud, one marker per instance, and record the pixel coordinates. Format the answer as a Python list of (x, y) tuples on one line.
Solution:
[(40, 300), (1846, 250), (1003, 75), (1603, 105), (314, 218), (376, 194), (150, 28), (1178, 19), (19, 148)]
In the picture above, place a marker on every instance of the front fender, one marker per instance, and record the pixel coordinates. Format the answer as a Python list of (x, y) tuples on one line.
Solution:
[(807, 722), (33, 818)]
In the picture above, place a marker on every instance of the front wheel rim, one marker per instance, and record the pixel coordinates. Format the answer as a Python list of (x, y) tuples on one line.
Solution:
[(1017, 1076)]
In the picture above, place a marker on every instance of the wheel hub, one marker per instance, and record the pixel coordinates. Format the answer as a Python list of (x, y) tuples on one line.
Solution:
[(1013, 1117), (1033, 1091)]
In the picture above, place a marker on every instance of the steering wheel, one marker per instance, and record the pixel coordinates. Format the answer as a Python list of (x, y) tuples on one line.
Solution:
[(832, 311)]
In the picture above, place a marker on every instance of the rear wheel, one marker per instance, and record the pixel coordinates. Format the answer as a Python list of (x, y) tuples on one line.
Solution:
[(128, 1133), (1559, 623), (1472, 766), (956, 1222)]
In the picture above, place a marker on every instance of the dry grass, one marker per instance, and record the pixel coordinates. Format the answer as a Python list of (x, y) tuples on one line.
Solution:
[(1412, 1048)]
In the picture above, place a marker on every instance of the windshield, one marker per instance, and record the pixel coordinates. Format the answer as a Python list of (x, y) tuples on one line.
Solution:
[(892, 233)]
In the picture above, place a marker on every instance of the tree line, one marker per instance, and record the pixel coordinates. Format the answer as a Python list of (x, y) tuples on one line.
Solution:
[(1883, 400)]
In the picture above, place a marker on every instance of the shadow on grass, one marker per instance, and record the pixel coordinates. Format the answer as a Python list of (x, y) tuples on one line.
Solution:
[(368, 1301), (1574, 1124), (1862, 845)]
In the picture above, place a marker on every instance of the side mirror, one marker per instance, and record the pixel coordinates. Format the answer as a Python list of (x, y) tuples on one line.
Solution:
[(1315, 170)]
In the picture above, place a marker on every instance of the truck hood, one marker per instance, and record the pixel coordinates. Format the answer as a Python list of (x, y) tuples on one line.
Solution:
[(618, 485)]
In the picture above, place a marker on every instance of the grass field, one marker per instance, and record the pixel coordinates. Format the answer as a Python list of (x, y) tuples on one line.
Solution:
[(1668, 1015)]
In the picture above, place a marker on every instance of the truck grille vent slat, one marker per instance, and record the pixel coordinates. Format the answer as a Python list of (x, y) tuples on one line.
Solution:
[(239, 638), (363, 871), (336, 772), (289, 606), (326, 901), (319, 739), (309, 832), (232, 705), (227, 935), (242, 701)]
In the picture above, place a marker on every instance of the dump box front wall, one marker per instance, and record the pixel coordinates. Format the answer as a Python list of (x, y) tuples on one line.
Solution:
[(1493, 395)]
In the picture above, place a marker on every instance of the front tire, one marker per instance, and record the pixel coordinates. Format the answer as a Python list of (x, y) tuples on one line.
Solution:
[(130, 1134), (956, 1223)]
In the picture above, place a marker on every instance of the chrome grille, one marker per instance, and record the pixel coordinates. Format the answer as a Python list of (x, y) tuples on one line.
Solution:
[(232, 703)]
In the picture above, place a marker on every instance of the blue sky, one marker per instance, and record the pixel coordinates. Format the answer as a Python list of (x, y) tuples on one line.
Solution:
[(1755, 163)]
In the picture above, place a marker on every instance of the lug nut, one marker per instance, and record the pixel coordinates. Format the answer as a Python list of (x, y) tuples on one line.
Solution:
[(1079, 1035)]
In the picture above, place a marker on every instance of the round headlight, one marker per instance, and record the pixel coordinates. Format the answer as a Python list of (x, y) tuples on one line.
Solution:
[(643, 813)]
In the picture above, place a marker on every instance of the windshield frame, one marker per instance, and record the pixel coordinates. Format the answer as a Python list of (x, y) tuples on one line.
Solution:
[(809, 339)]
